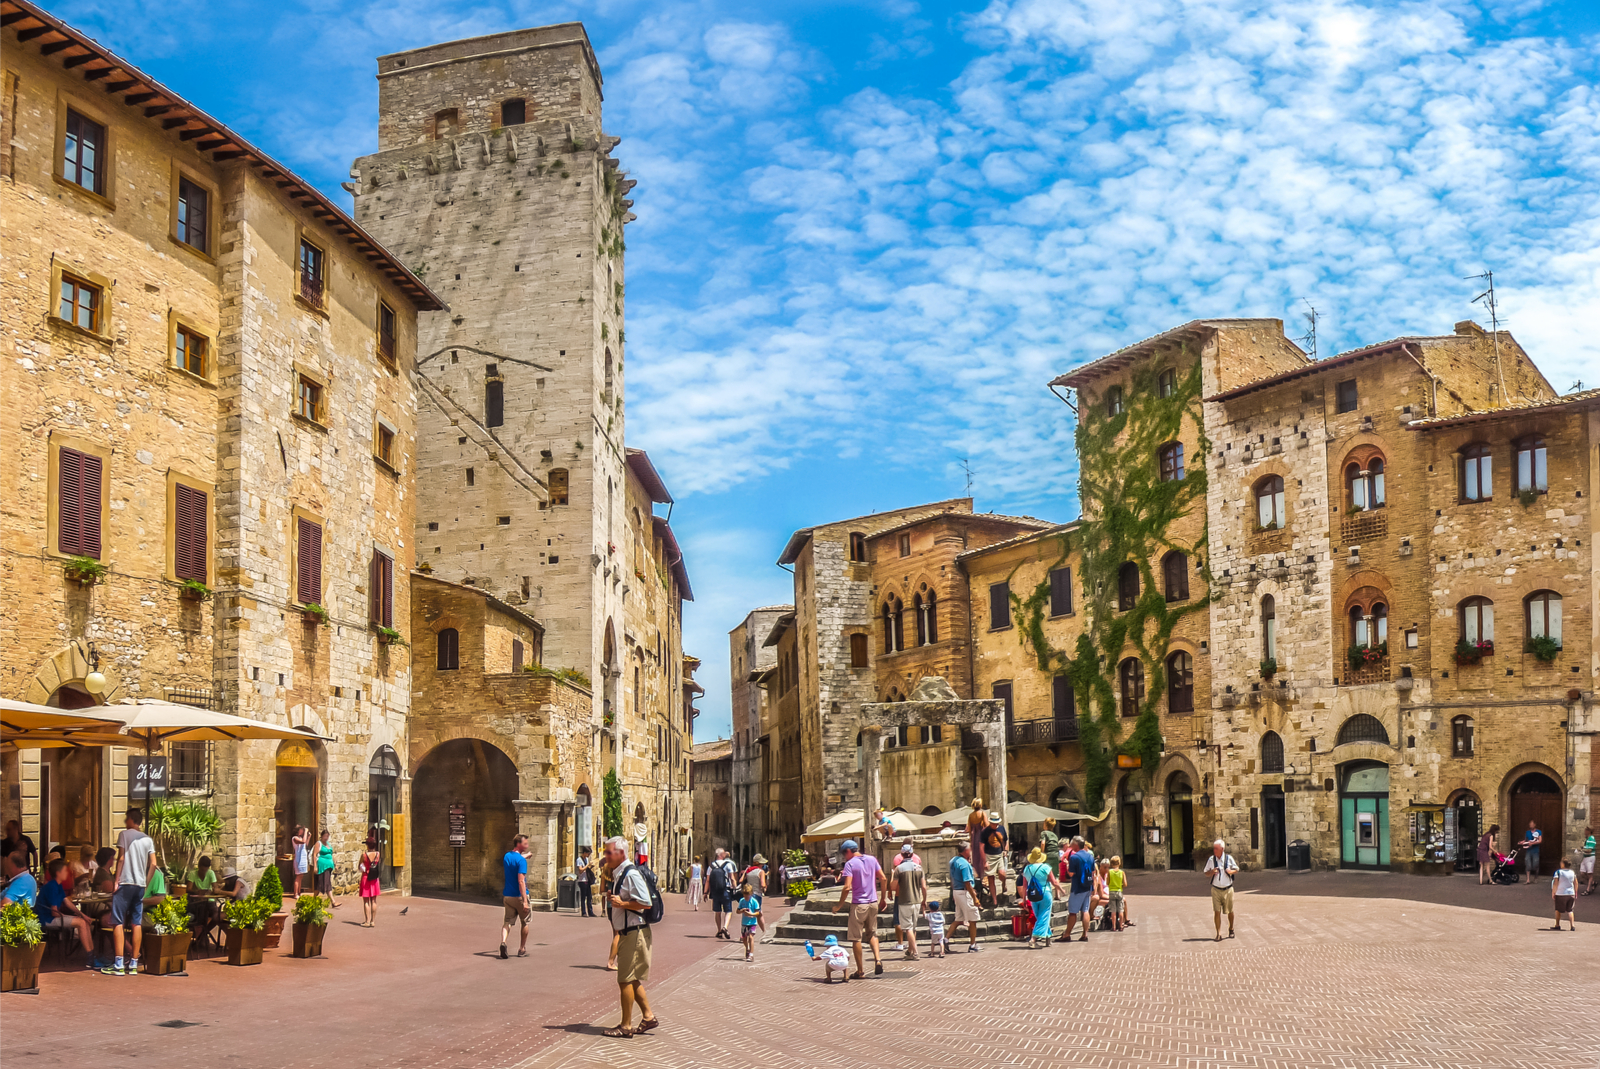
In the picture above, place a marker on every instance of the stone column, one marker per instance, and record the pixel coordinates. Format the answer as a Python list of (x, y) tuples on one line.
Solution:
[(994, 734), (540, 821), (871, 781)]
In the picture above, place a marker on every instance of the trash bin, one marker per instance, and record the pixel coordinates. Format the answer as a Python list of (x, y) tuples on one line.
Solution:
[(1299, 856), (567, 893)]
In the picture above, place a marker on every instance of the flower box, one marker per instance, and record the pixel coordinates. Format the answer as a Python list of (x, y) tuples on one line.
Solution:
[(244, 947), (308, 939), (166, 955), (19, 967)]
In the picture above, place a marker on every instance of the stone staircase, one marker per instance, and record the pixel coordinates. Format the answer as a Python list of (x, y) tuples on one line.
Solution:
[(815, 920)]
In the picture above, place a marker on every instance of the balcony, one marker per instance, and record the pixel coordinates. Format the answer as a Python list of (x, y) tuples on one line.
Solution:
[(1051, 732), (1364, 527)]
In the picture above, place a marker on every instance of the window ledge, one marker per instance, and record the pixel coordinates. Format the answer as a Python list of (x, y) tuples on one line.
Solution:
[(1063, 615), (386, 466), (191, 376), (309, 422), (995, 630), (65, 324), (98, 198), (388, 363), (191, 250), (318, 309)]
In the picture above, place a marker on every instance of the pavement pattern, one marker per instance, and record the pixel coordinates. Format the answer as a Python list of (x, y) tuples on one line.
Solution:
[(1371, 971)]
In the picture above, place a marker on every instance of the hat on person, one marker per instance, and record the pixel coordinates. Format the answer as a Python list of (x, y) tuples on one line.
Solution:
[(831, 941), (906, 850), (993, 815), (849, 844), (758, 860), (227, 870)]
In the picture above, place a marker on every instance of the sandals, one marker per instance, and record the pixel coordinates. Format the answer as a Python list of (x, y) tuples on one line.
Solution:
[(1230, 933), (648, 1023), (618, 1033)]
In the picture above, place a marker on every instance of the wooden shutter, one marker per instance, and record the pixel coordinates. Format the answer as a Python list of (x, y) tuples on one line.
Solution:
[(78, 503), (380, 587), (189, 534), (308, 567), (999, 605)]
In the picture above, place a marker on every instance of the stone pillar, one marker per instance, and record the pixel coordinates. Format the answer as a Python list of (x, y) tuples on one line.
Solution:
[(540, 821), (994, 735), (871, 781)]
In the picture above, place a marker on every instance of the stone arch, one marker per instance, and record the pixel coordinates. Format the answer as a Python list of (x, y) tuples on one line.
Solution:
[(1363, 751), (480, 775), (70, 665), (304, 716)]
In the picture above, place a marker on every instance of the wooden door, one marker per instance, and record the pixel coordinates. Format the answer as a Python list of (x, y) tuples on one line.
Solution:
[(1546, 809)]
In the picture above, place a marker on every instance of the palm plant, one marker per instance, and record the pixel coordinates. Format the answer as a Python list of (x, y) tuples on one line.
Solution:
[(182, 831)]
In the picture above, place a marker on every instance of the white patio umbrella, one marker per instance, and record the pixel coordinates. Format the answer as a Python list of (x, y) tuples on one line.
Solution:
[(847, 824), (1016, 813), (20, 717)]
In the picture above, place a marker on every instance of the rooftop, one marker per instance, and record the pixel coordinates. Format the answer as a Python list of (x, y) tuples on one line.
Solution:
[(1120, 359), (649, 478), (990, 517), (1053, 529), (1582, 397), (797, 541), (715, 750)]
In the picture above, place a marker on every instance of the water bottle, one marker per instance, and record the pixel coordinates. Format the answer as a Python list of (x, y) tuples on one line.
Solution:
[(810, 953)]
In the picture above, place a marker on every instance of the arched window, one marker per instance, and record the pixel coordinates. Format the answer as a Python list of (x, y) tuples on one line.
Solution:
[(1477, 621), (1180, 683), (1365, 484), (1132, 676), (1114, 406), (1269, 503), (1175, 575), (449, 649), (606, 394), (1461, 741), (917, 610), (1127, 586), (858, 547), (1171, 457), (1269, 628), (1363, 728), (927, 611), (494, 403), (1544, 615), (894, 638), (1477, 473), (513, 112), (1272, 752), (1166, 383), (1533, 476)]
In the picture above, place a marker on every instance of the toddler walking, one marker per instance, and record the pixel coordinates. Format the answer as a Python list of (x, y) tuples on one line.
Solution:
[(833, 956), (938, 944), (749, 917)]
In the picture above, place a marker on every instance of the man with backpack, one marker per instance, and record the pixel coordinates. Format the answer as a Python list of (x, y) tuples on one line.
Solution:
[(635, 903), (1222, 868), (719, 888)]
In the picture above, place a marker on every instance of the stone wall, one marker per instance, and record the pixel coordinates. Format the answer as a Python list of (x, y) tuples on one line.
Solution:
[(749, 654)]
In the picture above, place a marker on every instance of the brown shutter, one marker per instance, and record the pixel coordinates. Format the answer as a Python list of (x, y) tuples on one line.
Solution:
[(189, 534), (386, 585), (78, 503), (308, 585), (374, 598)]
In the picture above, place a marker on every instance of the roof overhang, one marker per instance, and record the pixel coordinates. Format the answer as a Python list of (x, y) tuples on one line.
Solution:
[(779, 626), (122, 83), (669, 543), (649, 478), (1342, 360), (1578, 400), (797, 542)]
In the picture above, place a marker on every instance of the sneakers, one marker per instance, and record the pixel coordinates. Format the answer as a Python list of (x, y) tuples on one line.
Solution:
[(749, 956), (503, 954), (899, 946), (114, 970), (133, 968), (973, 948)]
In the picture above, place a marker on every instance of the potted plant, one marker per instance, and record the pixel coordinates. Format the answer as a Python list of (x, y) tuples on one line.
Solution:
[(21, 948), (246, 917), (85, 571), (314, 615), (166, 951), (311, 916), (1472, 652), (182, 831), (388, 636), (194, 590), (1269, 667), (1544, 647), (270, 890)]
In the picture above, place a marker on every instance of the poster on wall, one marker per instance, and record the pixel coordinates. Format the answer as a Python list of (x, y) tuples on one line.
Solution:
[(458, 824), (1450, 834)]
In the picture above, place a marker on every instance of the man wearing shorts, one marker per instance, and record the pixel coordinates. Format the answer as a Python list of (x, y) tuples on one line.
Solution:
[(964, 892), (910, 890), (995, 843), (864, 888), (1222, 868), (136, 860), (1586, 866), (720, 883), (515, 895), (629, 897), (1079, 864)]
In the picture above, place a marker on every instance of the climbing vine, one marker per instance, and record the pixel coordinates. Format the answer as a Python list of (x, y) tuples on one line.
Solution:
[(611, 811), (1129, 514)]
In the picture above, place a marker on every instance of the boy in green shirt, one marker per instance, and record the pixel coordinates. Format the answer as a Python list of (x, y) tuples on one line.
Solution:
[(1116, 883)]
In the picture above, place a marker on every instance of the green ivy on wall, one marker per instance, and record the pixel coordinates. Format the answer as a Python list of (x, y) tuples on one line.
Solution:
[(611, 812), (1129, 514)]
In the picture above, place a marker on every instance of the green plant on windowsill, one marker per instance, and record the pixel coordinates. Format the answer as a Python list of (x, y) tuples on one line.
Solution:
[(85, 571), (1528, 497), (312, 909), (1263, 528), (194, 590), (314, 614), (248, 914), (1472, 652), (1269, 667), (171, 916), (1544, 647), (19, 926), (388, 636), (269, 889)]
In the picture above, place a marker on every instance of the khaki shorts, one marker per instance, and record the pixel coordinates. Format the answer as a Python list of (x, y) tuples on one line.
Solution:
[(633, 956), (516, 908), (907, 916), (863, 917), (1222, 900), (966, 912), (994, 865)]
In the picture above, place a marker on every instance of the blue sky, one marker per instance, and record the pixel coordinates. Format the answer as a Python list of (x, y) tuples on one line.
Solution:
[(869, 233)]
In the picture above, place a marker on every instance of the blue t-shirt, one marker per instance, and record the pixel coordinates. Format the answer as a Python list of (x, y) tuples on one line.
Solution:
[(52, 894), (752, 903), (1080, 866), (960, 873), (22, 888), (1529, 846), (516, 865)]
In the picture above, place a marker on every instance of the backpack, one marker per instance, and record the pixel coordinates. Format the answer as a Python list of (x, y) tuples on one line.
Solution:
[(719, 879), (1035, 889), (657, 909)]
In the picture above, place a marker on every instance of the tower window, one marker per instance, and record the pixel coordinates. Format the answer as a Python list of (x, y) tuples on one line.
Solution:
[(513, 112)]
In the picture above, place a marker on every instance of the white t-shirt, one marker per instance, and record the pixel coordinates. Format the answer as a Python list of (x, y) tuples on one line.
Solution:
[(694, 871), (1565, 882), (137, 850), (837, 957), (1219, 874)]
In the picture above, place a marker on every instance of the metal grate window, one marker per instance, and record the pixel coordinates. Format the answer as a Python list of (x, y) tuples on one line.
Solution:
[(189, 766), (1363, 728), (198, 697)]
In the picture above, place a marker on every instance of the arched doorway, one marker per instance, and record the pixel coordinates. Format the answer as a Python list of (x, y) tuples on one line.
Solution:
[(383, 793), (1364, 815), (1130, 814), (1463, 823), (1536, 797), (298, 800), (71, 799), (462, 797), (1180, 821)]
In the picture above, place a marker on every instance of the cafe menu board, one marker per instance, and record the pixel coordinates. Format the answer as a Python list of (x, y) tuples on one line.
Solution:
[(799, 872), (147, 776), (458, 824)]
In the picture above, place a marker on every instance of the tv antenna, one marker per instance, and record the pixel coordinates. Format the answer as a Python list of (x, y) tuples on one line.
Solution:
[(1487, 299), (967, 468), (1308, 340)]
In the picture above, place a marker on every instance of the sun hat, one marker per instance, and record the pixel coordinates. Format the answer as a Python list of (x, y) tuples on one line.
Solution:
[(1035, 856), (228, 870), (831, 941), (758, 860)]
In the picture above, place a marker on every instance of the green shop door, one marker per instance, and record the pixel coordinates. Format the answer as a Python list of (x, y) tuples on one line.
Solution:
[(1364, 817)]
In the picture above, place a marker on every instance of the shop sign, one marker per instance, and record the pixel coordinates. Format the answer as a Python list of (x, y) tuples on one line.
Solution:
[(458, 824)]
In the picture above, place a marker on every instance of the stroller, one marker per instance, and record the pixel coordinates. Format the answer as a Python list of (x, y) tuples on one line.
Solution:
[(1505, 868)]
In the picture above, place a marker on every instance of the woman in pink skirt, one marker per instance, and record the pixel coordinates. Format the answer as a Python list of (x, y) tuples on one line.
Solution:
[(370, 859)]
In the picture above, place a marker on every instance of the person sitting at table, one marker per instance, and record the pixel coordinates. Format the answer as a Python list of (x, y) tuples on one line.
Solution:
[(203, 877), (155, 893), (104, 880), (82, 870), (20, 885), (55, 908), (232, 886)]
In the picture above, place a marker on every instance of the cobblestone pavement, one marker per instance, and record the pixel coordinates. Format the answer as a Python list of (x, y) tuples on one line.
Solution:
[(1310, 982)]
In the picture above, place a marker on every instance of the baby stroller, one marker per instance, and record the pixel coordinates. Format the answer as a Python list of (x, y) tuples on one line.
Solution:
[(1505, 869)]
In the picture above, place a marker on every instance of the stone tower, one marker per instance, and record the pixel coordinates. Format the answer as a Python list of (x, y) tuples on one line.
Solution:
[(493, 180)]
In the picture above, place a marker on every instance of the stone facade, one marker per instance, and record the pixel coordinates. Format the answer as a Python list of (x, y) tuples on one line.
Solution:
[(712, 764), (750, 658), (224, 433)]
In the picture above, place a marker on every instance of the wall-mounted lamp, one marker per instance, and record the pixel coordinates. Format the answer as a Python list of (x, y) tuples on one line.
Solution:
[(94, 682)]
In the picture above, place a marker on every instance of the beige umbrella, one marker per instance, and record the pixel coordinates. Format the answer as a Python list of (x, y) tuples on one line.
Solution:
[(11, 742), (846, 824), (1016, 813), (20, 717)]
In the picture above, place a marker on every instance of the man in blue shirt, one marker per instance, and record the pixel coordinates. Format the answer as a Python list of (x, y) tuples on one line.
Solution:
[(515, 894), (1531, 840), (964, 892), (55, 909), (20, 884), (1079, 864)]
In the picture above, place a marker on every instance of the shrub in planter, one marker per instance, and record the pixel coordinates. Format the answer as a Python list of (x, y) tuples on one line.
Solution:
[(311, 915), (1269, 667), (388, 636), (314, 614), (166, 951), (247, 920), (194, 590), (1544, 647), (270, 890), (182, 831), (1472, 652), (21, 948), (85, 571)]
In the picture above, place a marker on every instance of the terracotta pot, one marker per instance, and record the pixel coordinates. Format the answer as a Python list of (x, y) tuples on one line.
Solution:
[(274, 929), (19, 967), (244, 948), (166, 954), (308, 939)]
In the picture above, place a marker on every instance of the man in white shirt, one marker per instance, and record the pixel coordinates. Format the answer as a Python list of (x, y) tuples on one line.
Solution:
[(1221, 866), (136, 860)]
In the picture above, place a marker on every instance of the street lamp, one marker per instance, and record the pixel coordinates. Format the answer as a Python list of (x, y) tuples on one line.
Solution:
[(95, 681)]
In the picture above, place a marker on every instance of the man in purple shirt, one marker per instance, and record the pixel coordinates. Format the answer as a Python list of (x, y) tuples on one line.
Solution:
[(864, 888)]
